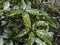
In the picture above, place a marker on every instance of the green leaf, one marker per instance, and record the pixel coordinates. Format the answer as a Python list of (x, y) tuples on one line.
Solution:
[(28, 5), (1, 41), (23, 5), (34, 11), (39, 42), (1, 12), (51, 34), (41, 23), (46, 15), (44, 35), (52, 24), (23, 32), (26, 19), (39, 1), (6, 5), (10, 42), (33, 26), (14, 12), (30, 39)]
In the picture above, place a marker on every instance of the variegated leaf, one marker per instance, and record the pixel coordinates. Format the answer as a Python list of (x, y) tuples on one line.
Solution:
[(23, 32), (34, 12), (44, 35), (42, 23), (14, 12), (39, 42), (30, 39), (26, 19)]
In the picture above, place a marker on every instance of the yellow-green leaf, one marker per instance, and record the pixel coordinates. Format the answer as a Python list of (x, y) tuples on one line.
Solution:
[(14, 12), (41, 23), (30, 39), (34, 11), (45, 36), (23, 32), (26, 19)]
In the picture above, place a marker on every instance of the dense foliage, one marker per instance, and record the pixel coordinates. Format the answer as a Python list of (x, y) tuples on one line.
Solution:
[(24, 22)]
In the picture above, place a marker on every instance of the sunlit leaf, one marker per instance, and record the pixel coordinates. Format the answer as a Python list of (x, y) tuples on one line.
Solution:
[(26, 22), (26, 19), (44, 35), (30, 39), (41, 23), (34, 11), (14, 12)]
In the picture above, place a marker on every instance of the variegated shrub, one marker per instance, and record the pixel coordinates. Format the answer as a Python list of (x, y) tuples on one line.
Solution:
[(22, 24)]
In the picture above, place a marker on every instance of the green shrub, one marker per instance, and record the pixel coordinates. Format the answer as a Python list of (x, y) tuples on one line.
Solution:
[(23, 24)]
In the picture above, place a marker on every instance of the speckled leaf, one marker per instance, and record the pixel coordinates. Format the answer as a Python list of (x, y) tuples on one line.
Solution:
[(26, 19), (34, 12), (30, 39), (44, 35), (39, 42), (42, 23), (23, 32), (14, 12)]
